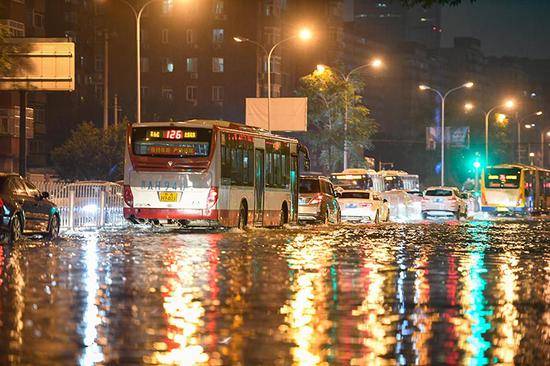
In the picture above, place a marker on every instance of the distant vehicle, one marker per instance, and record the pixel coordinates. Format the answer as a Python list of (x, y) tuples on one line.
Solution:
[(363, 206), (357, 179), (317, 201), (398, 179), (443, 201), (210, 173), (401, 204), (515, 189), (25, 210)]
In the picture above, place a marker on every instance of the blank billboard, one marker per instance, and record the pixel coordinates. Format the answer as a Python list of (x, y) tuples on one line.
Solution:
[(283, 114), (40, 64)]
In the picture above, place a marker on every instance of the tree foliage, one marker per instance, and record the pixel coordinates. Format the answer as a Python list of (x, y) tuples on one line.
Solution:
[(428, 3), (91, 154), (328, 96), (6, 62)]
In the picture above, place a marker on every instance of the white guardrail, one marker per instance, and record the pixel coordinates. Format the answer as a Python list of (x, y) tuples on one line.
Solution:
[(86, 204)]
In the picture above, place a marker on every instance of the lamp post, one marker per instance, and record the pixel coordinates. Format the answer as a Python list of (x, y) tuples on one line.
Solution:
[(375, 63), (305, 34), (520, 121), (477, 165), (545, 133), (137, 14), (509, 104), (443, 97)]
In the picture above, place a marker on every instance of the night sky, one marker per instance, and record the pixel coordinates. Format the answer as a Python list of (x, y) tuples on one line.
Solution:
[(505, 27)]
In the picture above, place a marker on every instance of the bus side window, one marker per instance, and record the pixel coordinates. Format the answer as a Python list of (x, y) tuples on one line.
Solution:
[(268, 169), (225, 163)]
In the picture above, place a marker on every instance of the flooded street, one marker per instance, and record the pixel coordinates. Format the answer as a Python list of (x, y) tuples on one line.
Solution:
[(451, 293)]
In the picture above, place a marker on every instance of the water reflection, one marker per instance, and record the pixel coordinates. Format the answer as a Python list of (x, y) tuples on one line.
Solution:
[(92, 352), (467, 293), (306, 315)]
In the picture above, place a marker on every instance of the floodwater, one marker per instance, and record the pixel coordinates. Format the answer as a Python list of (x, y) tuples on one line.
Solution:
[(450, 293)]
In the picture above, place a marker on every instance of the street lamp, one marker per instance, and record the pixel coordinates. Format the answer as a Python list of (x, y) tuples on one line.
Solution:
[(304, 34), (137, 13), (543, 135), (508, 104), (520, 121), (443, 97), (375, 63)]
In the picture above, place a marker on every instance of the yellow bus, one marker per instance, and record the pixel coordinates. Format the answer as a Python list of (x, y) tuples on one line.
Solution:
[(515, 189)]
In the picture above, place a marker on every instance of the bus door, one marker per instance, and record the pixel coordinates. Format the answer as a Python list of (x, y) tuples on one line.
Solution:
[(259, 186), (293, 188)]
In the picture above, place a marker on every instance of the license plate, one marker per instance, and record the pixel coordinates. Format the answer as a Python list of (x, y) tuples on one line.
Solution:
[(168, 196), (502, 209)]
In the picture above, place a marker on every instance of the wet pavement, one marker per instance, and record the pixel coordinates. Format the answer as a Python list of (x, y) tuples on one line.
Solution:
[(440, 293)]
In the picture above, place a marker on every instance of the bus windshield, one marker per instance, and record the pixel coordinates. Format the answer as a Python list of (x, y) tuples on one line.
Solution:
[(171, 141), (352, 181), (393, 183), (502, 178)]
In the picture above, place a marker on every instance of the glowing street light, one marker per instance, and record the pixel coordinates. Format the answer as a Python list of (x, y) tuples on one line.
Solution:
[(443, 97), (305, 34), (521, 121), (375, 63)]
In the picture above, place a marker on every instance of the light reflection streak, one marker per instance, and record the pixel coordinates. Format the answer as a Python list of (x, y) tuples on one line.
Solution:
[(92, 352), (182, 302), (16, 335), (508, 336), (422, 319), (306, 313), (473, 329), (374, 321)]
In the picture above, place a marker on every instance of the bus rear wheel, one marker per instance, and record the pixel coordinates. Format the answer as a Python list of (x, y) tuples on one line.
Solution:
[(243, 216), (284, 215)]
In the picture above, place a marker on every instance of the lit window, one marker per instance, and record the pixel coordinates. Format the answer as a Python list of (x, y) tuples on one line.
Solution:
[(190, 36), (38, 20), (192, 64), (217, 93), (217, 35), (218, 7), (168, 94), (164, 36), (168, 65), (144, 64), (191, 92), (217, 64), (167, 6)]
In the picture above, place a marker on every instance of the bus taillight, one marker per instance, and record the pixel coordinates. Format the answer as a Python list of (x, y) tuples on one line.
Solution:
[(212, 197), (128, 196)]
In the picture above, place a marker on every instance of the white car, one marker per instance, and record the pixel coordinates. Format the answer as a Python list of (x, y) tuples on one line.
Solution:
[(363, 206), (443, 201)]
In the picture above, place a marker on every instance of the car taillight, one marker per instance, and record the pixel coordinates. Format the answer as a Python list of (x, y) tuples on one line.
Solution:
[(316, 199), (212, 197), (128, 196), (1, 205)]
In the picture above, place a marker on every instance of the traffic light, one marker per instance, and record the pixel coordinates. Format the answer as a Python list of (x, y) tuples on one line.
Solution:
[(477, 164)]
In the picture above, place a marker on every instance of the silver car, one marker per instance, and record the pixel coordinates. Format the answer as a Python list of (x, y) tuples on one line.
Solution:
[(317, 201)]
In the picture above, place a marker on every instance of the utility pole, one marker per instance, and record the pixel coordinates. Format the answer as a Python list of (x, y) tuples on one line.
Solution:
[(106, 81), (116, 111)]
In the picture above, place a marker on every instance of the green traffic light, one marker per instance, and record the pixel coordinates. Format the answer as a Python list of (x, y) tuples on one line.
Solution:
[(477, 164)]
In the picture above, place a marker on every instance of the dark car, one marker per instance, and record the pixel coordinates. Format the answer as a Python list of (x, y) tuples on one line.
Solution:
[(25, 210)]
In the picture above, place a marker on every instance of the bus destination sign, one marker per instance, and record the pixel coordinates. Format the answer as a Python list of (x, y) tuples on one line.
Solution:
[(171, 134)]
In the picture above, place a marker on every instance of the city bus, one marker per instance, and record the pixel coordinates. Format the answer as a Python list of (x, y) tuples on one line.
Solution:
[(515, 189), (210, 173), (399, 180), (354, 179)]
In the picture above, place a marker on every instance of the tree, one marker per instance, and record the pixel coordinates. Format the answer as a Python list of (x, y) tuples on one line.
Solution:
[(6, 62), (428, 3), (91, 154), (328, 96)]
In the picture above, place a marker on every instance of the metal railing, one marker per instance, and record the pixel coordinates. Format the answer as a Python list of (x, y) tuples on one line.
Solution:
[(86, 204)]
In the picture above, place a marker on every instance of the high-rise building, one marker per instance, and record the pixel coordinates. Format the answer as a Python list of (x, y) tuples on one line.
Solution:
[(22, 19)]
